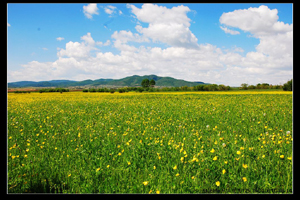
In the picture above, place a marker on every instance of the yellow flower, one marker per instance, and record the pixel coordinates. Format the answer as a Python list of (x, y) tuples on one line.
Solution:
[(69, 175), (281, 156), (193, 177), (245, 166), (244, 179), (212, 151), (215, 158), (97, 169), (177, 174), (79, 135), (289, 158), (25, 156), (238, 152), (27, 150), (218, 183), (225, 162), (175, 167), (157, 191), (145, 182), (223, 171), (154, 167)]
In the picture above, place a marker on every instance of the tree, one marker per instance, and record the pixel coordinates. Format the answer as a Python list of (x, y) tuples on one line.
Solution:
[(288, 86), (145, 83), (152, 83), (244, 86)]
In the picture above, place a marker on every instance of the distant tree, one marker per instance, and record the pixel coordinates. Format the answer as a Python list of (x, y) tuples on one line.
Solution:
[(244, 86), (222, 87), (112, 90), (288, 86), (145, 83), (251, 87), (265, 85), (92, 90), (258, 86), (199, 88), (140, 89), (152, 83)]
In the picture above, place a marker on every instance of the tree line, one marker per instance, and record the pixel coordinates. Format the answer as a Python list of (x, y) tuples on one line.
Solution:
[(286, 87), (54, 90)]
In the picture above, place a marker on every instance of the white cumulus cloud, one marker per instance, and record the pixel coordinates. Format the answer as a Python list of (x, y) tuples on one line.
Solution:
[(170, 26), (90, 10), (227, 30)]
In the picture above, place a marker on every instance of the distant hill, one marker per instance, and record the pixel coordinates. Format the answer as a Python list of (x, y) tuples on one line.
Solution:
[(130, 81)]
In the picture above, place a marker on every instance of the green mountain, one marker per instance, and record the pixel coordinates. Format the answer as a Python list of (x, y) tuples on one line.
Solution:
[(130, 81)]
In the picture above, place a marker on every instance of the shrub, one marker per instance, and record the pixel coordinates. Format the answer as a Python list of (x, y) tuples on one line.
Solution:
[(288, 86)]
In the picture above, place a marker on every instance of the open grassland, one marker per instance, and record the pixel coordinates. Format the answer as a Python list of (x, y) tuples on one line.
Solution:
[(184, 142)]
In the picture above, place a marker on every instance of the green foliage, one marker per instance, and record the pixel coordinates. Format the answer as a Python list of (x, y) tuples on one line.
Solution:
[(54, 90), (17, 91), (140, 89), (145, 83), (288, 86), (244, 86), (152, 82)]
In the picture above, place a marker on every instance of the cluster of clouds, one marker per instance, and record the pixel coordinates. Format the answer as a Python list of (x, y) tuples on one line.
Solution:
[(183, 57)]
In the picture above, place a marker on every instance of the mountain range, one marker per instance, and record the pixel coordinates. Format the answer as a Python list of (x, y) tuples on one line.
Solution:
[(130, 81)]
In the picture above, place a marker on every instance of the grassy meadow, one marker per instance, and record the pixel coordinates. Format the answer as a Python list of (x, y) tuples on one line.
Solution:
[(180, 142)]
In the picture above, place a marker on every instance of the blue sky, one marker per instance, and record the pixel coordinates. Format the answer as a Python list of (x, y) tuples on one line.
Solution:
[(216, 43)]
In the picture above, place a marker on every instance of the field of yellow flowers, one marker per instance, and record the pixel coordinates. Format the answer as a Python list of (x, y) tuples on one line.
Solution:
[(180, 142)]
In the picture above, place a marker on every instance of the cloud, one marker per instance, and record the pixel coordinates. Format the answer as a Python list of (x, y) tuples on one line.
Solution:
[(60, 38), (232, 32), (260, 21), (78, 50), (275, 48), (170, 26), (8, 25), (107, 43), (44, 48), (109, 9), (90, 9)]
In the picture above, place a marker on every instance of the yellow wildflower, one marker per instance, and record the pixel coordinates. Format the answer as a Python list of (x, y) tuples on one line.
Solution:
[(218, 183), (145, 182), (245, 166)]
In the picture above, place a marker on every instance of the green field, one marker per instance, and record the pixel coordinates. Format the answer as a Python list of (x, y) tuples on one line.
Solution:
[(184, 142)]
